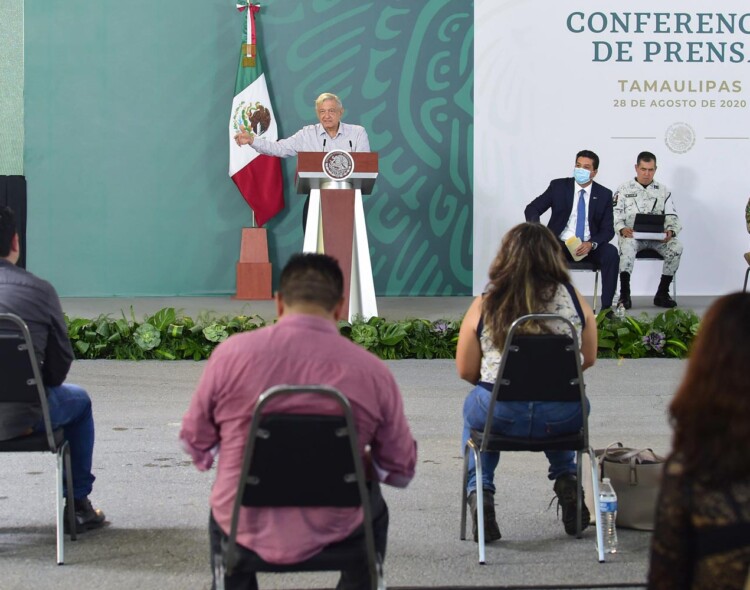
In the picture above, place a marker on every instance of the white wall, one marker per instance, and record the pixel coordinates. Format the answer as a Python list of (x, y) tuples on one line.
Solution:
[(541, 95)]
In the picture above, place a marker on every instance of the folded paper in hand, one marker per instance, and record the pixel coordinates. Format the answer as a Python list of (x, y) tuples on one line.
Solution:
[(572, 244)]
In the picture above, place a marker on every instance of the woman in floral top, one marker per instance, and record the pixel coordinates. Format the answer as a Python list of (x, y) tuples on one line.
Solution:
[(529, 275)]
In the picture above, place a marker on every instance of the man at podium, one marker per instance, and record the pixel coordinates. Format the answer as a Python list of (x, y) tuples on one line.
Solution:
[(329, 134)]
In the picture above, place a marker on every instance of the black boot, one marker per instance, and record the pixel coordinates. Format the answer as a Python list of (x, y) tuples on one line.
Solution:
[(491, 530), (87, 517), (625, 290), (567, 489), (662, 298)]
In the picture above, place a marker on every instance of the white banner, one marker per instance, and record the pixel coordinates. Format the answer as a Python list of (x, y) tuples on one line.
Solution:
[(617, 78)]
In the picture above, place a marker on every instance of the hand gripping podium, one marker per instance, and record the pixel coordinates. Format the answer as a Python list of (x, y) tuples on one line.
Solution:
[(335, 181)]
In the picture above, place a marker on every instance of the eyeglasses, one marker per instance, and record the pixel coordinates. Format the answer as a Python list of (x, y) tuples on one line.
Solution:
[(328, 112)]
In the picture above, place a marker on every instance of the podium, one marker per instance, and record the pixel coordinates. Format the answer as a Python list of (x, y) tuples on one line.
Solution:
[(335, 182)]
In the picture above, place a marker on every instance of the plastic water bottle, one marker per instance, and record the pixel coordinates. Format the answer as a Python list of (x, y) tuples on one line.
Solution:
[(620, 311), (608, 509)]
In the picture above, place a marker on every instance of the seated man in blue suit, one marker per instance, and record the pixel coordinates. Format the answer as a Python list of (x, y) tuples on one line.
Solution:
[(582, 208)]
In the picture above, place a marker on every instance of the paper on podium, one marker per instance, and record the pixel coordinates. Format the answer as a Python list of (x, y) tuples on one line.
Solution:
[(572, 244), (649, 235)]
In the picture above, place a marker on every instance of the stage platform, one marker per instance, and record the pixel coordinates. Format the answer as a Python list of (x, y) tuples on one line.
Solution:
[(391, 308)]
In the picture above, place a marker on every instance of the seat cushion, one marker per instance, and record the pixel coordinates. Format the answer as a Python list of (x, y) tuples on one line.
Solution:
[(498, 442), (584, 265), (32, 443), (353, 549), (649, 255)]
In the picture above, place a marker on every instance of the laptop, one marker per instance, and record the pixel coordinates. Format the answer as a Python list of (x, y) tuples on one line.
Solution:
[(648, 226), (649, 222)]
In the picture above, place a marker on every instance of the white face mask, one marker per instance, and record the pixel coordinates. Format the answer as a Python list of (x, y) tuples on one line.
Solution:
[(581, 175)]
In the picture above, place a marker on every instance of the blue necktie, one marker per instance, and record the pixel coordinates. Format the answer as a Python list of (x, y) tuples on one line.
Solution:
[(581, 219)]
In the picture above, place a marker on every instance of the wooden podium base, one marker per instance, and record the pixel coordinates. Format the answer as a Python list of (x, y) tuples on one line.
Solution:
[(254, 280), (254, 269)]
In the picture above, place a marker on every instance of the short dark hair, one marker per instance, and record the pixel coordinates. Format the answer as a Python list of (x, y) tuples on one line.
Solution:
[(646, 157), (312, 278), (7, 229), (591, 155)]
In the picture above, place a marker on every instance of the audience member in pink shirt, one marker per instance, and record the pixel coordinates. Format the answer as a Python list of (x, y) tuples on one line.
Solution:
[(304, 347)]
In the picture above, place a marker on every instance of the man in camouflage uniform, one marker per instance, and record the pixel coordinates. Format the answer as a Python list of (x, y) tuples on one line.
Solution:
[(643, 195)]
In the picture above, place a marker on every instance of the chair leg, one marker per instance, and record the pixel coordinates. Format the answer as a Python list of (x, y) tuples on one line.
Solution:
[(480, 504), (71, 501), (579, 495), (596, 288), (464, 502), (747, 273), (597, 512), (59, 506)]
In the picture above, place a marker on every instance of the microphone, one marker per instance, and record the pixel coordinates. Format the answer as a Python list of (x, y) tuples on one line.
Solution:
[(351, 147), (324, 145)]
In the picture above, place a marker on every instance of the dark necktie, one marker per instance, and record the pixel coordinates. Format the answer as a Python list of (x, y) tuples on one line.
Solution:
[(581, 219)]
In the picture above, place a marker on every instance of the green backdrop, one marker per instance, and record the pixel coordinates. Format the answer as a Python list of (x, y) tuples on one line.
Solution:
[(126, 114)]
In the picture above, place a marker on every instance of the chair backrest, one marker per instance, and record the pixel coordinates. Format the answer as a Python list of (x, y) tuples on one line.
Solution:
[(539, 367), (20, 376), (303, 460)]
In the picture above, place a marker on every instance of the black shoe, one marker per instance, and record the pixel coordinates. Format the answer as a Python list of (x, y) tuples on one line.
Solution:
[(491, 529), (87, 517), (566, 488), (625, 301), (661, 300)]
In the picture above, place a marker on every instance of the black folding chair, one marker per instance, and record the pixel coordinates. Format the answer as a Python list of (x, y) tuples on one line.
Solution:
[(534, 368), (303, 460), (21, 383)]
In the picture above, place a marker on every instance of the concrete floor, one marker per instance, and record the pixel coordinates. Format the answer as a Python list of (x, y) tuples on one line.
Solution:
[(158, 503)]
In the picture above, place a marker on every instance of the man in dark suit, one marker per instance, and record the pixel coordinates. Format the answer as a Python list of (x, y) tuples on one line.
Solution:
[(582, 208)]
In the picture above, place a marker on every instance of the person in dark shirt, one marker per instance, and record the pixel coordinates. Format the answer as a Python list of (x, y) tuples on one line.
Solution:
[(37, 303), (702, 536)]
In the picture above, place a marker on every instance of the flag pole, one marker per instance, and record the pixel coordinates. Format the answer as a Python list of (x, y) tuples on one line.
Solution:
[(258, 177)]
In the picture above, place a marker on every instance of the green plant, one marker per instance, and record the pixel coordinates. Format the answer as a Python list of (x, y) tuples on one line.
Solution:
[(392, 340), (668, 334), (169, 335), (165, 335)]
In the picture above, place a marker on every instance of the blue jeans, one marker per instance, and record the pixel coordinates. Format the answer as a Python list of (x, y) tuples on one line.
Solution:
[(536, 420), (70, 409)]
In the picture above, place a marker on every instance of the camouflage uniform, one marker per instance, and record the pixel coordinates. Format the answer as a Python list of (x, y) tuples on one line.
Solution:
[(632, 198)]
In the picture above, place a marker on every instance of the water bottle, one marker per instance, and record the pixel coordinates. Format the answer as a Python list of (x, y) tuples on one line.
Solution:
[(620, 311), (608, 509)]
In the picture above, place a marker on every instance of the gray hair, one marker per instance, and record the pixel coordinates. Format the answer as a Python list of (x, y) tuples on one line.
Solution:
[(328, 96)]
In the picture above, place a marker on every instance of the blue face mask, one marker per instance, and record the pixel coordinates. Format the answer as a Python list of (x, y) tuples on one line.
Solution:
[(581, 175)]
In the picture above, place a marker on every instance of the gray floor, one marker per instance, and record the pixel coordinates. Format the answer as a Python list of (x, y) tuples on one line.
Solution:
[(157, 502), (392, 308)]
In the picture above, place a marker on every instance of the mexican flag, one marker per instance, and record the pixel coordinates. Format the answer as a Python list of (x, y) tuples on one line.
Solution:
[(257, 177)]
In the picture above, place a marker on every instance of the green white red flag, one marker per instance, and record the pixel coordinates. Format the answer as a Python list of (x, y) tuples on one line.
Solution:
[(257, 176)]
